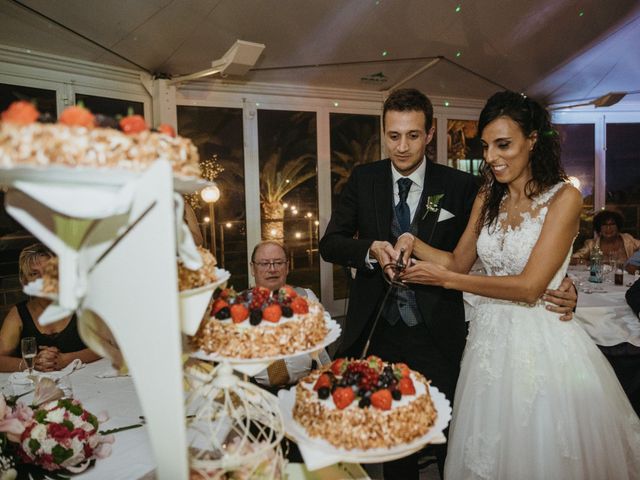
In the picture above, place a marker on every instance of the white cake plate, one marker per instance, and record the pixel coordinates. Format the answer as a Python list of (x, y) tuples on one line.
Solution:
[(251, 366), (85, 176), (318, 453)]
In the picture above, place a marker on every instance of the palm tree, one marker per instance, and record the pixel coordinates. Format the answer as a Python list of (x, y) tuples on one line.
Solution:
[(357, 143), (276, 181)]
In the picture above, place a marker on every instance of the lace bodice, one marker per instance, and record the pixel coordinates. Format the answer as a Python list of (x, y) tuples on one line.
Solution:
[(505, 250)]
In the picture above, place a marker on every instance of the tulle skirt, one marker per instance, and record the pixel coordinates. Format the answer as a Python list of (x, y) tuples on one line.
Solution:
[(536, 399)]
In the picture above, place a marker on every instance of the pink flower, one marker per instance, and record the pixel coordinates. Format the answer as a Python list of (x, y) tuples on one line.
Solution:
[(9, 423)]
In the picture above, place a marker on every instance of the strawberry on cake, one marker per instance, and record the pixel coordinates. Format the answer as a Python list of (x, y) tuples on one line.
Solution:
[(260, 323), (364, 404)]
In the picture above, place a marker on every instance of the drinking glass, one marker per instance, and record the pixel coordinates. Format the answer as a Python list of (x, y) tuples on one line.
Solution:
[(29, 349)]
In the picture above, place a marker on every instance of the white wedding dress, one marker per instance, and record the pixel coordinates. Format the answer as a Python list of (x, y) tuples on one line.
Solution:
[(535, 399)]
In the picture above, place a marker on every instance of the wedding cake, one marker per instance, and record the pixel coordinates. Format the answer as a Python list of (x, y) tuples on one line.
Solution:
[(260, 323), (364, 404)]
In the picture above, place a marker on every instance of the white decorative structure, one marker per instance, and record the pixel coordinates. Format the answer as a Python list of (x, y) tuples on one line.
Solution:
[(234, 426), (115, 236)]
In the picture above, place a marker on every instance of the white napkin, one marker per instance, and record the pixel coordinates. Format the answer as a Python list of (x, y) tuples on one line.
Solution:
[(444, 215), (111, 373), (22, 377)]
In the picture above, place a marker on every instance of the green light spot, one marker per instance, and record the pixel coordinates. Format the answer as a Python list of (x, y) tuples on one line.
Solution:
[(446, 103), (385, 53), (458, 54), (458, 8), (581, 14)]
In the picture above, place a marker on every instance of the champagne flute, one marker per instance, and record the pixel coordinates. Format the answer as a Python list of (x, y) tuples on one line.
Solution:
[(29, 349)]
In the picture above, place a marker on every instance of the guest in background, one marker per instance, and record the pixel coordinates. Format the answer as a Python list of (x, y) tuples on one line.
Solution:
[(633, 297), (632, 265), (59, 343), (625, 357), (614, 245), (270, 267)]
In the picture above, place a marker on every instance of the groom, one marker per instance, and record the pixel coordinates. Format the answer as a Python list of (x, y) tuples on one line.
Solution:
[(422, 326)]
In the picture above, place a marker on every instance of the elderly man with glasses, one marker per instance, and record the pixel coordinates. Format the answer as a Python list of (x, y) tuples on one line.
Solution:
[(270, 267)]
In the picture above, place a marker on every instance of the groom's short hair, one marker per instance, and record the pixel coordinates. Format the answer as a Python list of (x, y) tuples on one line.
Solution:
[(409, 100)]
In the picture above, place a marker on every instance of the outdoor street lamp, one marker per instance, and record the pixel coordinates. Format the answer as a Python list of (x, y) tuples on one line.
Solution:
[(211, 195)]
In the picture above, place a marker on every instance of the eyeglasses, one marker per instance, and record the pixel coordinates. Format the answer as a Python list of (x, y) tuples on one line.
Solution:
[(276, 264)]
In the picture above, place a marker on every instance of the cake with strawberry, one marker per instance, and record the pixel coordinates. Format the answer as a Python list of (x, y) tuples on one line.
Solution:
[(81, 139), (364, 404), (260, 323)]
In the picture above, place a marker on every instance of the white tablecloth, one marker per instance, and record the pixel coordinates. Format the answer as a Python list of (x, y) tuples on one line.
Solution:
[(603, 311), (132, 457)]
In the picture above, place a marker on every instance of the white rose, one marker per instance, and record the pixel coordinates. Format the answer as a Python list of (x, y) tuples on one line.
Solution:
[(77, 421), (39, 432), (55, 416), (47, 445)]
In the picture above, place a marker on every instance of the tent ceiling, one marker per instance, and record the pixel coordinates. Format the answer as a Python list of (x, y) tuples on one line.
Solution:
[(543, 47)]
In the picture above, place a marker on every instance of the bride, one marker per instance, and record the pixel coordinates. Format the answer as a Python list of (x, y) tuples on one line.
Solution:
[(535, 398)]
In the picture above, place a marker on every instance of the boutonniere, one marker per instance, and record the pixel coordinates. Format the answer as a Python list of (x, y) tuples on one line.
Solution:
[(433, 204)]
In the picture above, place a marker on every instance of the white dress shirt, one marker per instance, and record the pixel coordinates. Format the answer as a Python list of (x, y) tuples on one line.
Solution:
[(413, 199), (417, 177)]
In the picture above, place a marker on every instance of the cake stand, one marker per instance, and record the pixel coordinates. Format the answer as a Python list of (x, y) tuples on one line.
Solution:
[(116, 235)]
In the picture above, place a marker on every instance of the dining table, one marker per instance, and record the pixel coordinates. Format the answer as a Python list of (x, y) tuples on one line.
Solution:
[(101, 389), (603, 311)]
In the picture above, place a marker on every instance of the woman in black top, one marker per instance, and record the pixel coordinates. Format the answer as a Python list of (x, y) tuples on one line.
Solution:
[(58, 343)]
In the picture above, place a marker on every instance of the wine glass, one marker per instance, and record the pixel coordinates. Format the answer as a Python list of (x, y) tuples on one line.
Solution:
[(29, 349)]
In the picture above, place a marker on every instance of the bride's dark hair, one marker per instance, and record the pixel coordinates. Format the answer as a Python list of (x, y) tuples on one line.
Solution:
[(545, 156)]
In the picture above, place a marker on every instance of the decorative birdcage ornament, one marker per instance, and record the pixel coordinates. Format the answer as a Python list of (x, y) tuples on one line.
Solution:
[(234, 428)]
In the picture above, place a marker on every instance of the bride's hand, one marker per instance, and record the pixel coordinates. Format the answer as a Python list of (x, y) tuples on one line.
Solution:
[(426, 273)]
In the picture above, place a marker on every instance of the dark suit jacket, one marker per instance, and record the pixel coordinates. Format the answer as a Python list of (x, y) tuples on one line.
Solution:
[(633, 296), (365, 211)]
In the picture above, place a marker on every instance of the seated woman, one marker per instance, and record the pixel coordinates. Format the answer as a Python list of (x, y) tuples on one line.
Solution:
[(58, 343), (607, 225)]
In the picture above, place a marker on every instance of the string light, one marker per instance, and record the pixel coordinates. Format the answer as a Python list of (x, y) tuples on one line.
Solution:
[(385, 53), (458, 53), (458, 8), (211, 168), (446, 103)]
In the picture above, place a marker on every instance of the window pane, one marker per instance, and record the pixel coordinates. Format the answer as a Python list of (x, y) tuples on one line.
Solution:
[(111, 107), (623, 173), (464, 150), (44, 100), (355, 139), (578, 160), (217, 132), (289, 189)]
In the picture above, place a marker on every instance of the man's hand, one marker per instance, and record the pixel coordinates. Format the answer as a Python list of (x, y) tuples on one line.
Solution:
[(384, 253), (565, 299), (405, 242)]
